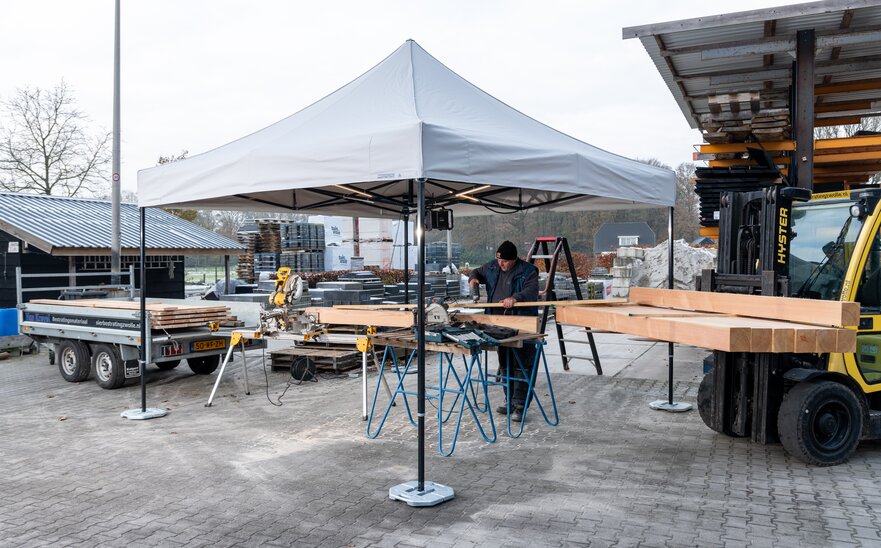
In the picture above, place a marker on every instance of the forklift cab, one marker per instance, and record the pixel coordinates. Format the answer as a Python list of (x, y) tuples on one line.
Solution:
[(836, 255)]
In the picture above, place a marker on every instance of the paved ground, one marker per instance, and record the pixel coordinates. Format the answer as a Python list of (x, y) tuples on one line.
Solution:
[(247, 473)]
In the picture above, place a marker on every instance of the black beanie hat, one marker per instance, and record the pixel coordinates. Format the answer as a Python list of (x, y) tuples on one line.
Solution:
[(507, 251)]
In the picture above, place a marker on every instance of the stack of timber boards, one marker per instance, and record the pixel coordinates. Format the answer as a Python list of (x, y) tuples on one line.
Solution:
[(164, 316), (245, 267), (711, 182), (269, 236), (725, 321)]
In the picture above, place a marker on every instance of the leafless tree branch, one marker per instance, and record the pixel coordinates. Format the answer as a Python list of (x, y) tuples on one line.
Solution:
[(47, 146)]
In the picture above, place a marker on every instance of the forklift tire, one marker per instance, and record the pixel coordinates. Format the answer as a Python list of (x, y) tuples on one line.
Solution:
[(109, 367), (168, 366), (204, 365), (820, 422), (705, 400), (73, 360), (705, 405)]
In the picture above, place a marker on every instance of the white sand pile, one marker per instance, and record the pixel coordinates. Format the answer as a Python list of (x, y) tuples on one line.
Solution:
[(688, 262)]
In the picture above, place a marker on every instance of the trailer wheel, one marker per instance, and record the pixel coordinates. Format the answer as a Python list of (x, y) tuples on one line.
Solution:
[(167, 366), (204, 365), (73, 361), (820, 422), (109, 367)]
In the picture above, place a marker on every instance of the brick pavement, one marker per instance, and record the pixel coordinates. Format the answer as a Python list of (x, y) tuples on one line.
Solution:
[(245, 473)]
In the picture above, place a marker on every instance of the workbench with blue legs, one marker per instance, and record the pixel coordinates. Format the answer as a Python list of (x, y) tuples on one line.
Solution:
[(462, 376)]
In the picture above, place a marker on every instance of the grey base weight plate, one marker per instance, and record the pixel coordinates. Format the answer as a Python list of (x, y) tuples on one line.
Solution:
[(675, 407), (431, 495), (139, 415)]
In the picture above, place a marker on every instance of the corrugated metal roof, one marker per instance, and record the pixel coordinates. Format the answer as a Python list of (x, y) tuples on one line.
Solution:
[(687, 57), (52, 224)]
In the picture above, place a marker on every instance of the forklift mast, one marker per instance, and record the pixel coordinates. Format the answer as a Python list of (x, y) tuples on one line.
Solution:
[(755, 232)]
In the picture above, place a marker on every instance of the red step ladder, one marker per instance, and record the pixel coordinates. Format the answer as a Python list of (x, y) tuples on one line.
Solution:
[(549, 250)]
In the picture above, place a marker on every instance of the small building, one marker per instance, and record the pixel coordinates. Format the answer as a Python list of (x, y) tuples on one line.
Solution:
[(49, 234), (611, 236)]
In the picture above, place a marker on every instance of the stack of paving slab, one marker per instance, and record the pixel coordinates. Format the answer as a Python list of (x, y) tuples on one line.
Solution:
[(370, 283), (339, 292)]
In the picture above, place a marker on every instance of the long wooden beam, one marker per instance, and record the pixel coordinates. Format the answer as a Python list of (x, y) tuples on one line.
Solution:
[(404, 318), (377, 318), (592, 302), (715, 332), (829, 313)]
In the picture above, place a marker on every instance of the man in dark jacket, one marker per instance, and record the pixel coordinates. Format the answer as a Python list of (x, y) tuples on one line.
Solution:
[(510, 280)]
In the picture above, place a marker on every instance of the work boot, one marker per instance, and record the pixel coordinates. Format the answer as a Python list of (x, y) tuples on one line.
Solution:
[(502, 410), (517, 414)]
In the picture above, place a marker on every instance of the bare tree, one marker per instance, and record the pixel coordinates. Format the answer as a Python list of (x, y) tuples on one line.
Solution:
[(686, 216), (869, 124), (872, 124), (46, 146)]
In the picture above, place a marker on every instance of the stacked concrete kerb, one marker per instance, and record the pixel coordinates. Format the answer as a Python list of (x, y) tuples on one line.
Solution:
[(622, 269)]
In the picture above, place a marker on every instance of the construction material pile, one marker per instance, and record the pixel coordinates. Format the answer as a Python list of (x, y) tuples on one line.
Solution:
[(688, 263), (245, 266), (163, 316), (364, 287), (738, 126), (273, 243)]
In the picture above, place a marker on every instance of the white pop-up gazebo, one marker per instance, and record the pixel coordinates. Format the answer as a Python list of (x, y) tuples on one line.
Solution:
[(407, 137)]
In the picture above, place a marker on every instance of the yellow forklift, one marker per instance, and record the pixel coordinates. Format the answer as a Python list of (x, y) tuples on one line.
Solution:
[(784, 241)]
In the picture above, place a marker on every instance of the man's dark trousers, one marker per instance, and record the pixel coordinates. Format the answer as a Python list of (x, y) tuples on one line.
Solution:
[(508, 366)]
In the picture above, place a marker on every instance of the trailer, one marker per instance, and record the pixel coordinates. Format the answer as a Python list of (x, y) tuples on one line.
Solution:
[(108, 340)]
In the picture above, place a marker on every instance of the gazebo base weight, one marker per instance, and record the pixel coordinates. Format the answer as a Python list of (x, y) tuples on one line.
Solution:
[(139, 415), (434, 493), (675, 407)]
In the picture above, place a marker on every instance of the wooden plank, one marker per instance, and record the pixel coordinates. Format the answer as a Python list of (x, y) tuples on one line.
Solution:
[(524, 324), (716, 332), (846, 340), (725, 338), (591, 302), (827, 313), (378, 318), (158, 308)]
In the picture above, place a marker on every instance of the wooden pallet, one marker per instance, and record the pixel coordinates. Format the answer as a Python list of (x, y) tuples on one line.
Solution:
[(335, 358)]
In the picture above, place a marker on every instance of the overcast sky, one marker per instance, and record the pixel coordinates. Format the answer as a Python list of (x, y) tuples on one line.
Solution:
[(199, 73)]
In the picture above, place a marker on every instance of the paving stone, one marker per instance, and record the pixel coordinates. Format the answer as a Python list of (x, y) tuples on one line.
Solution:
[(245, 473)]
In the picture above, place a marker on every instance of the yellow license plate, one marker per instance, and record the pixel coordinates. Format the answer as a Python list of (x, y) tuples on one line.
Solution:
[(213, 344)]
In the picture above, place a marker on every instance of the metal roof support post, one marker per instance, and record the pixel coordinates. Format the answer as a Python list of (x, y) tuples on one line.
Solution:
[(407, 242), (804, 109), (116, 192), (144, 412), (421, 492), (226, 290), (670, 405)]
